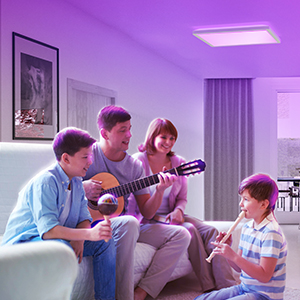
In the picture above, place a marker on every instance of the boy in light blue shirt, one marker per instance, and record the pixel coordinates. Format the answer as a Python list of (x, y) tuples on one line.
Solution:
[(53, 206)]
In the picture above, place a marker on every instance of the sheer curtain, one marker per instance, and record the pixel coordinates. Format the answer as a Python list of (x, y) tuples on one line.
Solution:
[(228, 144)]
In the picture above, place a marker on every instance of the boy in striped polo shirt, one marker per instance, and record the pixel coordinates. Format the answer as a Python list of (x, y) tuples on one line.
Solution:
[(262, 252)]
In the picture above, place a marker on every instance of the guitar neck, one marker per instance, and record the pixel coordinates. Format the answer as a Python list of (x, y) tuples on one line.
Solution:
[(139, 184)]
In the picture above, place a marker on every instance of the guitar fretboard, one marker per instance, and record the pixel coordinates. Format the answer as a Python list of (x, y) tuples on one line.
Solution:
[(131, 187)]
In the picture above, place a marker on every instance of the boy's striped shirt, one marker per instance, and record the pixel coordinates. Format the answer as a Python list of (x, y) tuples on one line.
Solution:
[(266, 240)]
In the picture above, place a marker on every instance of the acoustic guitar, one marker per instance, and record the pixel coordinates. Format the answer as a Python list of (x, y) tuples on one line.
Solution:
[(111, 185)]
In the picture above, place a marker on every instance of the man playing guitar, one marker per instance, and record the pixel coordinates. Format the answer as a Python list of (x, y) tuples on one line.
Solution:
[(110, 156)]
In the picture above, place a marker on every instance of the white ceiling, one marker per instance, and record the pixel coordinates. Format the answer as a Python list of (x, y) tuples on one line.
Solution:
[(166, 26)]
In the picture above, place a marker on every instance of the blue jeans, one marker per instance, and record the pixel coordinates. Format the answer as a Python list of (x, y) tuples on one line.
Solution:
[(125, 234), (104, 265), (235, 292)]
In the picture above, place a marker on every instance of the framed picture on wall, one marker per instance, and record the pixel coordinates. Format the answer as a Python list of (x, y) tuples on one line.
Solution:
[(35, 89)]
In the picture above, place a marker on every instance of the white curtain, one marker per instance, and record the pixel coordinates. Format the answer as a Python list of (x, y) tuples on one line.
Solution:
[(228, 144)]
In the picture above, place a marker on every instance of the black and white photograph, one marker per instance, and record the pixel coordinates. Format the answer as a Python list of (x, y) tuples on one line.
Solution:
[(35, 79)]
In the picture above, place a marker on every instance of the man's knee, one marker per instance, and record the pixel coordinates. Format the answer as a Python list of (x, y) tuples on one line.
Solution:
[(126, 227)]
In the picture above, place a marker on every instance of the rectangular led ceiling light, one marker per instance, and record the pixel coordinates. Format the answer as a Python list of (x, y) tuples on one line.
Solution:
[(237, 35)]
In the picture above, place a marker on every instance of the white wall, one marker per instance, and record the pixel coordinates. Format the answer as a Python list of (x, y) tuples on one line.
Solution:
[(89, 51), (147, 85), (288, 121), (265, 120)]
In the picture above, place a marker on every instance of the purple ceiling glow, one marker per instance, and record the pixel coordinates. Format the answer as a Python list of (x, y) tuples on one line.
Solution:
[(166, 27), (237, 35)]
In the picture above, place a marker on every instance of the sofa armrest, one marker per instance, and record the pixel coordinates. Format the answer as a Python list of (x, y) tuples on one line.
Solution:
[(37, 270)]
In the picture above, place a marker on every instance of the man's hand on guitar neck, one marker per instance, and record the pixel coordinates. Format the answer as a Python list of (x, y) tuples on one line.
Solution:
[(92, 189), (165, 180)]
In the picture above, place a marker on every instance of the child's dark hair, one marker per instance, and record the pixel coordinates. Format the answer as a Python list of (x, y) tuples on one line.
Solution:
[(156, 127), (110, 115), (261, 187), (70, 140)]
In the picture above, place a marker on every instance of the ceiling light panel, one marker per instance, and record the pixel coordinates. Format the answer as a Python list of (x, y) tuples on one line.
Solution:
[(237, 36)]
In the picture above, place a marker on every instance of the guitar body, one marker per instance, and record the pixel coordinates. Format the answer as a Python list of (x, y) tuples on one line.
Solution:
[(108, 181)]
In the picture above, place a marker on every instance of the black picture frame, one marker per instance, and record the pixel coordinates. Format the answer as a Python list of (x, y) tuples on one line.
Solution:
[(35, 89)]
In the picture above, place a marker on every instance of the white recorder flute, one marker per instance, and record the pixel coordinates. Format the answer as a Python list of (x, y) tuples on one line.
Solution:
[(224, 239)]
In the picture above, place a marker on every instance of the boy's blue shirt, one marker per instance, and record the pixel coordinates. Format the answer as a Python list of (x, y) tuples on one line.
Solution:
[(40, 204)]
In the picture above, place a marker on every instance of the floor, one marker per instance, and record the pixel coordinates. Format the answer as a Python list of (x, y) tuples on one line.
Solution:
[(189, 283)]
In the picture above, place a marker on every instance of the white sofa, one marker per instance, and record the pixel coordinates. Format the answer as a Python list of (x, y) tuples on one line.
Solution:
[(19, 162)]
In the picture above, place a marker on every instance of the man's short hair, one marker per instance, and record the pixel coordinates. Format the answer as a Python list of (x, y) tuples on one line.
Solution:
[(70, 140), (110, 115)]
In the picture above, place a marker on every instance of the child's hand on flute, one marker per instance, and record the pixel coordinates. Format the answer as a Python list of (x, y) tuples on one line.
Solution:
[(221, 235), (224, 250), (227, 235)]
